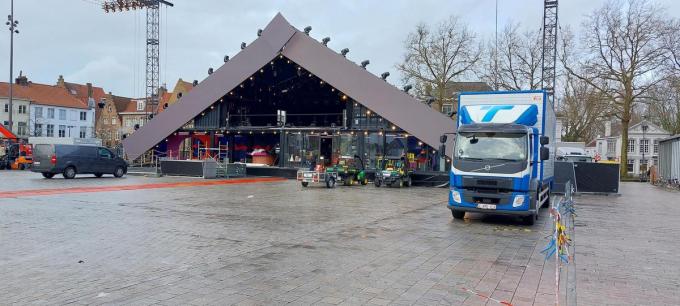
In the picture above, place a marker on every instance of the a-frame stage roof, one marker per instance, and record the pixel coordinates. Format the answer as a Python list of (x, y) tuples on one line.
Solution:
[(279, 37)]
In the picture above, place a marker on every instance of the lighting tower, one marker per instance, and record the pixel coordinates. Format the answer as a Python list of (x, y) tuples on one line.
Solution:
[(549, 47), (152, 41)]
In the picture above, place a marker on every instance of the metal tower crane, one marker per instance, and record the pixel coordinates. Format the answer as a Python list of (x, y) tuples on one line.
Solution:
[(152, 41), (549, 56)]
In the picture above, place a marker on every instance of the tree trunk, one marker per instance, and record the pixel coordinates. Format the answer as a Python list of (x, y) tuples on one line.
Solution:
[(441, 92), (625, 122)]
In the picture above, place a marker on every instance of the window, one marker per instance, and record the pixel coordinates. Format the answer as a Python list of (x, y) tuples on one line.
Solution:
[(22, 128), (6, 123), (114, 121), (62, 114), (50, 130), (37, 130), (104, 153), (22, 109), (447, 108), (140, 105), (611, 146), (656, 147), (631, 145), (38, 112), (83, 132), (50, 113), (644, 145), (630, 166), (6, 108), (62, 131), (643, 166), (83, 116)]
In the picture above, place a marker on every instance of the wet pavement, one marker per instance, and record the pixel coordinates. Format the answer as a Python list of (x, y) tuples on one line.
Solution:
[(277, 243)]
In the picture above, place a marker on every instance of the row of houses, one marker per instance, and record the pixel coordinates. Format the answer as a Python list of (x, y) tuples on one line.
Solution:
[(643, 146), (71, 110)]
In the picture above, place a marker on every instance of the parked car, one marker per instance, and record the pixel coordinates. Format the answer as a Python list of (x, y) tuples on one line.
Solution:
[(69, 160)]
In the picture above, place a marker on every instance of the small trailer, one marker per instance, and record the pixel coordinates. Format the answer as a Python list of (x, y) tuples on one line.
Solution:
[(317, 176)]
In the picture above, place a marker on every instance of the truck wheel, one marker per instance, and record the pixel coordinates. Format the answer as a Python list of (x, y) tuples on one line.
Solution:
[(48, 175), (22, 166), (330, 183), (305, 184), (69, 173), (98, 174), (400, 182), (457, 214), (409, 183), (377, 183), (364, 181), (530, 220), (119, 172)]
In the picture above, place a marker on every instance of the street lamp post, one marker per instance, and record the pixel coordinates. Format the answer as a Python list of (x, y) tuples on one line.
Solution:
[(13, 24)]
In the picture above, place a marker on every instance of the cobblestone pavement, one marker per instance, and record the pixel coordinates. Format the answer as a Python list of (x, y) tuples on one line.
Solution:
[(277, 243), (627, 247)]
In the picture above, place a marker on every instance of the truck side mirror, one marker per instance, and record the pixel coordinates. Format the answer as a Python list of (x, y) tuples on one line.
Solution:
[(442, 138), (545, 153), (544, 140)]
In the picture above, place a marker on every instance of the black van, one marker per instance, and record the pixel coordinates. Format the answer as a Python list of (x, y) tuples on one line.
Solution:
[(69, 160)]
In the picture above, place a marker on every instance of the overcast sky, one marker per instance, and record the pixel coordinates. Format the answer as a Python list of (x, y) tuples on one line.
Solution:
[(75, 38)]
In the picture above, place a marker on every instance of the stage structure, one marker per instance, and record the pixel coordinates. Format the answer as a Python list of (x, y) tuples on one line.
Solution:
[(287, 100)]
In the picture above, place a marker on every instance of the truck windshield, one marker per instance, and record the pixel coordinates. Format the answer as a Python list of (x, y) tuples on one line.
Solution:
[(499, 146)]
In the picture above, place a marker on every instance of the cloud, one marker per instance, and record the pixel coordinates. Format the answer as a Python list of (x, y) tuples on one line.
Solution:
[(105, 70)]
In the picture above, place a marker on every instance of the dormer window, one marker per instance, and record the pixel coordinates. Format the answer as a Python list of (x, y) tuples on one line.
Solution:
[(140, 105)]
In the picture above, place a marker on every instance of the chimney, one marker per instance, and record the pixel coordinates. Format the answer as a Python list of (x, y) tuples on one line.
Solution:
[(21, 80), (607, 128), (60, 81)]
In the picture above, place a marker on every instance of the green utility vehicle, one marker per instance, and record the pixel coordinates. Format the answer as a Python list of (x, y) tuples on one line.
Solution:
[(349, 170), (393, 171)]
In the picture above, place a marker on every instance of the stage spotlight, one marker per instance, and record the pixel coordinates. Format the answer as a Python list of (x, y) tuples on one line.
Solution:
[(195, 83), (407, 88), (259, 32), (325, 41), (226, 58), (384, 76), (210, 71), (243, 45), (365, 63), (308, 29), (344, 52)]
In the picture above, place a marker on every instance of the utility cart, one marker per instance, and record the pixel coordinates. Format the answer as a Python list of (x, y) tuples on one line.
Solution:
[(349, 170), (393, 171)]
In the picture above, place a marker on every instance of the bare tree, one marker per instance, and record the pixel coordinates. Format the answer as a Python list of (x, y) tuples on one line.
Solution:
[(664, 105), (438, 55), (581, 109), (622, 53), (517, 65)]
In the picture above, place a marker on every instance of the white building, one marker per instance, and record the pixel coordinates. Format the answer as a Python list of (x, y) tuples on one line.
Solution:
[(20, 109), (643, 146), (54, 112)]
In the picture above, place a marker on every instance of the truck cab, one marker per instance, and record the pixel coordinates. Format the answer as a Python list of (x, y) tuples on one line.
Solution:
[(501, 161)]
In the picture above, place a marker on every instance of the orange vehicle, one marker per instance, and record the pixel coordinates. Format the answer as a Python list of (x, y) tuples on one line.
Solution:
[(14, 154)]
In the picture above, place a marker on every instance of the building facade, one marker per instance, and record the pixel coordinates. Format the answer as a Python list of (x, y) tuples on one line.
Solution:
[(643, 146), (20, 109), (49, 111)]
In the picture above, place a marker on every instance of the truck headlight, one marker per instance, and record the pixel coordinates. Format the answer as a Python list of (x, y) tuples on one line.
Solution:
[(519, 200), (456, 196)]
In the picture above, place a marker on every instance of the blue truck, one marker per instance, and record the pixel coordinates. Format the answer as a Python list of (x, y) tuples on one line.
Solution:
[(503, 157)]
